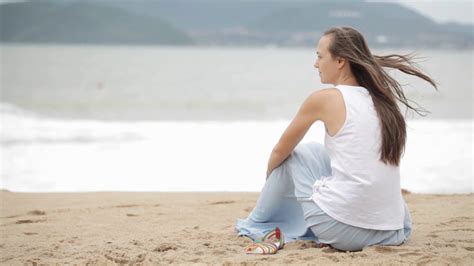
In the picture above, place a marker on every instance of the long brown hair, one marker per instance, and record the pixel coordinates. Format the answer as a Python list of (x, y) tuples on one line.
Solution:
[(368, 70)]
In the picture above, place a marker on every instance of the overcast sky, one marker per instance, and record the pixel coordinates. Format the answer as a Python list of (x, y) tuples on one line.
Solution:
[(439, 10), (443, 10)]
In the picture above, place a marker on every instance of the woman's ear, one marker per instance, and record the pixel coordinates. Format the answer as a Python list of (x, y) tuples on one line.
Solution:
[(340, 62)]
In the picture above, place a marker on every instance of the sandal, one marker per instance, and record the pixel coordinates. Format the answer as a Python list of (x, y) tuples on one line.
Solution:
[(270, 243), (275, 237), (261, 248)]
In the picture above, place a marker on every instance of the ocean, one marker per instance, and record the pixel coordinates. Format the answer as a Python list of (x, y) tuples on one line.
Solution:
[(148, 118)]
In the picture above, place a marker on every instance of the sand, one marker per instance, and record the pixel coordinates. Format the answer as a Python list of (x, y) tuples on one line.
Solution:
[(197, 228)]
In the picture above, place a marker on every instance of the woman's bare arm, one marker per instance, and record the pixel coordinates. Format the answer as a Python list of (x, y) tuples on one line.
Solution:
[(310, 111)]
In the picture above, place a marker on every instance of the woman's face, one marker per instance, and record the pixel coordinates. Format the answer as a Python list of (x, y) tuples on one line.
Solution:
[(326, 64)]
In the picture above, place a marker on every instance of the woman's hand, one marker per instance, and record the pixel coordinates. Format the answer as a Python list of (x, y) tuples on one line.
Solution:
[(276, 158), (269, 172)]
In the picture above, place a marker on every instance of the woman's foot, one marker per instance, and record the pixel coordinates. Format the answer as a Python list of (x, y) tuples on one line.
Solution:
[(261, 248), (270, 243), (275, 237)]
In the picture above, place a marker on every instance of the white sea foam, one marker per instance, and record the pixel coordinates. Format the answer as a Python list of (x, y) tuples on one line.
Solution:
[(40, 154)]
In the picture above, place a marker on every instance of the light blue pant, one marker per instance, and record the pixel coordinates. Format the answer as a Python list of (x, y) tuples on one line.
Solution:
[(284, 202)]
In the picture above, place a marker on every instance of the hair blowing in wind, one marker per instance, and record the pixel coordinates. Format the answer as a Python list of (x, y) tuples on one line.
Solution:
[(367, 68)]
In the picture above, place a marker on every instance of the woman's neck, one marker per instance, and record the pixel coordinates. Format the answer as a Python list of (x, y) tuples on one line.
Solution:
[(349, 81)]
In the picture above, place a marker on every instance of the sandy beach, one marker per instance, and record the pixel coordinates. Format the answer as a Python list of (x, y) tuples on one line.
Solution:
[(197, 228)]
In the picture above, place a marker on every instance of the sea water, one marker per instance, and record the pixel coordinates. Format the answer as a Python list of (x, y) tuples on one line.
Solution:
[(104, 118)]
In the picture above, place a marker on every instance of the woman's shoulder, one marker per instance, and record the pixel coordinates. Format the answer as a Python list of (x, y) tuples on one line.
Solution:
[(329, 101), (327, 94)]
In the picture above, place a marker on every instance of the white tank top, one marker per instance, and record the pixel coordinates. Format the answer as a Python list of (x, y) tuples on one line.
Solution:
[(362, 191)]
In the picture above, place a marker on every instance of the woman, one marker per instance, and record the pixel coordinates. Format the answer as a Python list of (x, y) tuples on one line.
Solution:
[(347, 193)]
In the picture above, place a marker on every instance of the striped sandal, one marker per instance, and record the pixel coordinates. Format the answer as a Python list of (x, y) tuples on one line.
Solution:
[(275, 237), (270, 243), (261, 248)]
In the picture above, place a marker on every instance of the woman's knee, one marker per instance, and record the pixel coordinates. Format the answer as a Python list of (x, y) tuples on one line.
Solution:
[(319, 153), (314, 148), (299, 149), (320, 150), (312, 145), (317, 146)]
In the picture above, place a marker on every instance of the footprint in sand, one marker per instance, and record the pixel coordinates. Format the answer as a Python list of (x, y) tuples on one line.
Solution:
[(331, 257), (123, 258), (300, 244), (259, 259), (136, 243), (387, 249), (33, 212), (463, 229), (7, 258), (460, 219), (126, 206), (437, 244), (219, 252), (454, 230), (36, 212), (425, 260), (410, 254), (462, 240), (165, 247), (357, 255), (28, 221), (222, 202), (12, 216)]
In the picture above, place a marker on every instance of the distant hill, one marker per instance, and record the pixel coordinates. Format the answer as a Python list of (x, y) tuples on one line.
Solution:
[(224, 22), (83, 22)]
